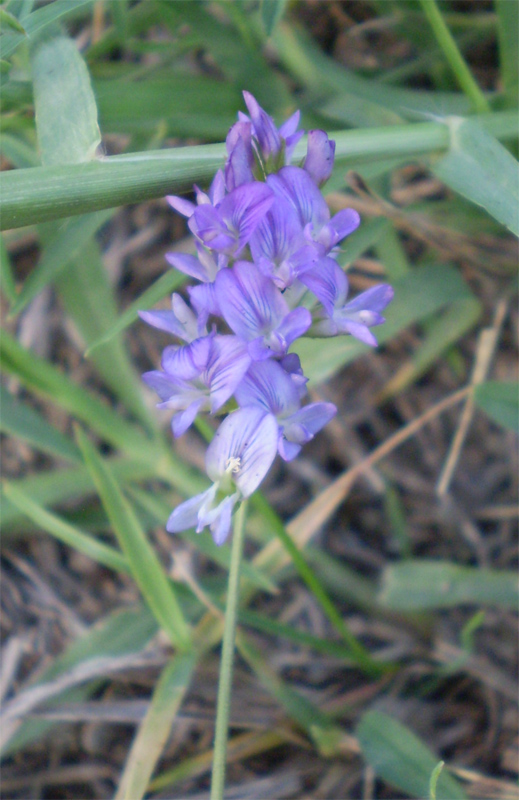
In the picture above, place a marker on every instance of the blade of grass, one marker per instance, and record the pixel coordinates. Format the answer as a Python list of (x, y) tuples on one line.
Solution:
[(500, 400), (42, 193), (144, 564), (167, 283), (36, 22), (455, 59), (7, 282), (154, 730), (507, 27), (418, 584), (60, 250), (22, 421), (68, 534), (358, 652), (401, 758)]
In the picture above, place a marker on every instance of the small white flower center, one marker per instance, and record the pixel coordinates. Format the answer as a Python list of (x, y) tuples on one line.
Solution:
[(233, 465)]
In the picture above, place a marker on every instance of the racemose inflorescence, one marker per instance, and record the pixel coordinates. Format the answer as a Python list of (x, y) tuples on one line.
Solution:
[(266, 274)]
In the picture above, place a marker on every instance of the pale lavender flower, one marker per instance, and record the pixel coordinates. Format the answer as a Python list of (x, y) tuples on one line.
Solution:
[(269, 386), (320, 155), (337, 316), (237, 460), (257, 312), (181, 321), (200, 376)]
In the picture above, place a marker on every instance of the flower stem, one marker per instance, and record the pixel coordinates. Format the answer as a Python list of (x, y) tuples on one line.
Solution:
[(226, 664)]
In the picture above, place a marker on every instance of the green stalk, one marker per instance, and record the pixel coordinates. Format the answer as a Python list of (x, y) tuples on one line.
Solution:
[(38, 194), (456, 61), (226, 664)]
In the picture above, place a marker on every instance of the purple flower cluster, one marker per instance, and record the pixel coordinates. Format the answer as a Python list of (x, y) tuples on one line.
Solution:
[(266, 275)]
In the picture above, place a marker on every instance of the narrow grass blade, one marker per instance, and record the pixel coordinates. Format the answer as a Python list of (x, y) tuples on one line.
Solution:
[(415, 585), (435, 286), (61, 485), (442, 333), (144, 564), (89, 299), (402, 759), (43, 378), (22, 421), (507, 27), (36, 22), (318, 726), (69, 239), (167, 283), (482, 170), (358, 652), (271, 13), (500, 400), (10, 21), (66, 112), (68, 534), (120, 633), (7, 282), (454, 58), (155, 728)]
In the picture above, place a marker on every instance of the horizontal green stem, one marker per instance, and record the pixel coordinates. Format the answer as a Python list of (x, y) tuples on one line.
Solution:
[(38, 194)]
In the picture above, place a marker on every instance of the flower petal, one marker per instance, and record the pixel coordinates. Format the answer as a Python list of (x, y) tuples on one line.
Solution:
[(186, 514)]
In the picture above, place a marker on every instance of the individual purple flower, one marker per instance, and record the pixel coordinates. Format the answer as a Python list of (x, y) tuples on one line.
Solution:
[(296, 186), (337, 316), (200, 376), (279, 247), (237, 460), (320, 155), (181, 321), (269, 386), (272, 147), (228, 226), (214, 196), (257, 312)]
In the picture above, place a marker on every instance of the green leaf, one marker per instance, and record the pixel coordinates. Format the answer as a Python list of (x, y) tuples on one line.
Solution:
[(68, 534), (22, 421), (401, 758), (419, 584), (66, 112), (67, 243), (155, 728), (482, 170), (500, 400), (10, 21), (144, 564), (43, 193), (36, 22), (418, 295), (271, 13)]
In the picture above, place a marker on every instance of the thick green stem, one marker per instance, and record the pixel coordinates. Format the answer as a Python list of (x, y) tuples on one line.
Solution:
[(227, 659)]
